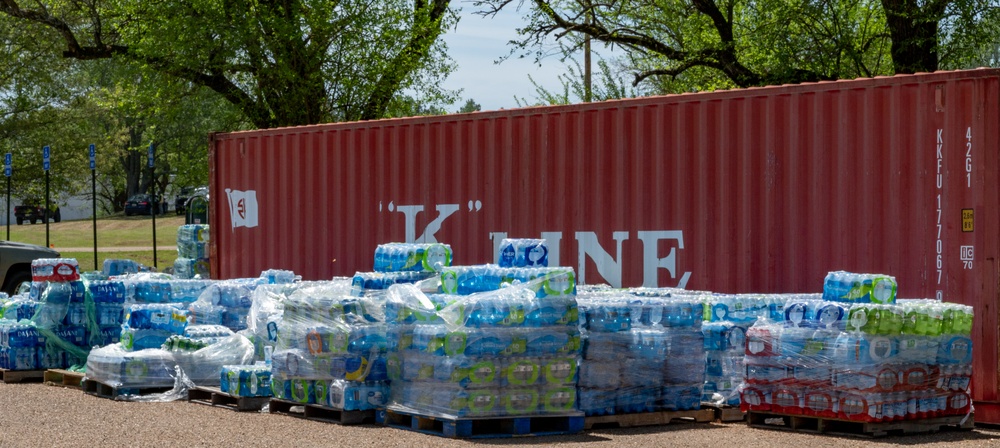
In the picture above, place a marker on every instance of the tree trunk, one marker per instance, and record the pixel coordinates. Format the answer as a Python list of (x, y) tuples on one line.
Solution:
[(914, 33)]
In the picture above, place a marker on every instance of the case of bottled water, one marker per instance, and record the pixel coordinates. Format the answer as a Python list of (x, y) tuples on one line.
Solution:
[(115, 267), (523, 253), (55, 270), (246, 380), (849, 287), (508, 348), (364, 283), (412, 257), (544, 281), (641, 352), (861, 361)]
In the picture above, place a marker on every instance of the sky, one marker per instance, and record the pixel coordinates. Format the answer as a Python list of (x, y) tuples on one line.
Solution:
[(477, 43)]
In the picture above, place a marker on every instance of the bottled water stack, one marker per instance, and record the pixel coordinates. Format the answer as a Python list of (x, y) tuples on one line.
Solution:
[(640, 354), (331, 348), (727, 318), (50, 327), (502, 352), (228, 302), (863, 361), (192, 251)]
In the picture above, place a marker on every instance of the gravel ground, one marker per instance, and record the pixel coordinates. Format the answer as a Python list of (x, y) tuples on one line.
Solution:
[(37, 415)]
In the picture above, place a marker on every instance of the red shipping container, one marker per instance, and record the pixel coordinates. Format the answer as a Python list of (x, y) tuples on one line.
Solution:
[(755, 190)]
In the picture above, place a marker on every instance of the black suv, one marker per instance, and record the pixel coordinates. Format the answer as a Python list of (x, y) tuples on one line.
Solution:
[(186, 193), (33, 210)]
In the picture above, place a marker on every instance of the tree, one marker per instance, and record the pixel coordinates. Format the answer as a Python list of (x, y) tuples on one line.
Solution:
[(685, 45), (925, 34), (128, 108), (470, 106), (47, 100), (283, 63), (609, 86)]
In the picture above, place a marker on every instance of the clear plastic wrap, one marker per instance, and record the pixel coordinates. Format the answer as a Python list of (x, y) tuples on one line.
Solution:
[(878, 363), (325, 341), (499, 353), (193, 233), (190, 268), (225, 303), (202, 366), (115, 366), (727, 318), (181, 366), (640, 354)]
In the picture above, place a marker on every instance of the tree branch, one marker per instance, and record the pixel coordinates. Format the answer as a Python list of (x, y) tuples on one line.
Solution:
[(427, 22)]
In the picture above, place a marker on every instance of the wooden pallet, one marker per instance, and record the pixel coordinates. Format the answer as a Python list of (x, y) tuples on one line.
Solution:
[(648, 418), (21, 376), (483, 428), (213, 396), (726, 413), (99, 389), (799, 423), (320, 413), (65, 378)]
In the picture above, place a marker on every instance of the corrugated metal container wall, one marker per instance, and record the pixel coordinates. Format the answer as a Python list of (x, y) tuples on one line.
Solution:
[(759, 190)]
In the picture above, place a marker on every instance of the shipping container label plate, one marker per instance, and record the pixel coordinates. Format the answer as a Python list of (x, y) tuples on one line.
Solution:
[(968, 224)]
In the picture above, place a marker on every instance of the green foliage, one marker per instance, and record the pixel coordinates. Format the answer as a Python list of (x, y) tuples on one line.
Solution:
[(691, 45), (470, 106), (280, 63), (609, 86), (407, 106)]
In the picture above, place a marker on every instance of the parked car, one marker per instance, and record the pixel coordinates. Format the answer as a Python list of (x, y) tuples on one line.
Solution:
[(15, 264), (143, 204), (185, 195), (33, 210)]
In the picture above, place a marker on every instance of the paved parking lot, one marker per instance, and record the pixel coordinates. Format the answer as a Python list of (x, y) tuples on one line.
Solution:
[(40, 415)]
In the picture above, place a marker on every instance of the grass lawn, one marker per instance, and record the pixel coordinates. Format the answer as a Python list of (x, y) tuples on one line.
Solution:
[(113, 233)]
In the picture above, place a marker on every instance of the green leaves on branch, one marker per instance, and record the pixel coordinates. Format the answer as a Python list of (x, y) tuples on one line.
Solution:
[(689, 45), (283, 63)]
